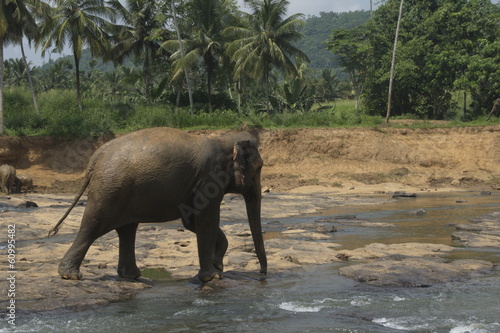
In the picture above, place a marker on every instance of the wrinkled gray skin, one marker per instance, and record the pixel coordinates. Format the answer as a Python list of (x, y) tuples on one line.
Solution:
[(7, 178), (162, 174), (23, 180)]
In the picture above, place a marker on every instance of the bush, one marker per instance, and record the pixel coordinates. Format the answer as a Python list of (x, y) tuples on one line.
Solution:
[(19, 111), (60, 116), (60, 109)]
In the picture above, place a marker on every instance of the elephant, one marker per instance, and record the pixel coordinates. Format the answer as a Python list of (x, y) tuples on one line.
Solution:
[(7, 177), (23, 180), (163, 174)]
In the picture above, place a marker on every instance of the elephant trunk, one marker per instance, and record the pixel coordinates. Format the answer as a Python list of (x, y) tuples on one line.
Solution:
[(253, 205)]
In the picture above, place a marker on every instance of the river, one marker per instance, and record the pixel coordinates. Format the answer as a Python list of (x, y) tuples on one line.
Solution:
[(316, 298)]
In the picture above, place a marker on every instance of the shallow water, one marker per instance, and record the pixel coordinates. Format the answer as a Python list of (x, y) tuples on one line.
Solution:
[(314, 301), (442, 212), (316, 298)]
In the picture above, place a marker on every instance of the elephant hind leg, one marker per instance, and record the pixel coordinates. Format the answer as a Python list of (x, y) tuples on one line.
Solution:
[(69, 268), (127, 267), (5, 188)]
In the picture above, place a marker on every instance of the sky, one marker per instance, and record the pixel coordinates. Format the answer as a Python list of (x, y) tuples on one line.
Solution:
[(314, 7), (306, 7)]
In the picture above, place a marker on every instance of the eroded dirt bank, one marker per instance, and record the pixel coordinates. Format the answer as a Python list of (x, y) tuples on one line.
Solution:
[(332, 158), (306, 170)]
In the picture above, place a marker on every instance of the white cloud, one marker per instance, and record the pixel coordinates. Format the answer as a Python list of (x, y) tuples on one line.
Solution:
[(314, 7)]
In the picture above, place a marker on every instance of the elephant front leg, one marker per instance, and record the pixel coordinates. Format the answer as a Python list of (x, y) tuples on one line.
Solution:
[(208, 236), (127, 267), (220, 250)]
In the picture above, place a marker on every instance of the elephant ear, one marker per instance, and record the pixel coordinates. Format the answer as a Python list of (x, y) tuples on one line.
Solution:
[(239, 161)]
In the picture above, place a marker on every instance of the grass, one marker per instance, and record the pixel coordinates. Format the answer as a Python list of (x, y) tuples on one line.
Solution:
[(59, 116)]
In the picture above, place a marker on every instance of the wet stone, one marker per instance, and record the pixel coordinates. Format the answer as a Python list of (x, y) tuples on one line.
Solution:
[(415, 272)]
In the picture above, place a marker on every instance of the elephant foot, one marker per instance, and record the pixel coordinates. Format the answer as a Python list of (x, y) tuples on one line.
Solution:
[(69, 274), (132, 273), (219, 266), (206, 275)]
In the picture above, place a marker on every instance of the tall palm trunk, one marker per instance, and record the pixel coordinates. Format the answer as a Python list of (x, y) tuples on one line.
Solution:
[(78, 92), (146, 73), (209, 88), (266, 88), (2, 125), (209, 65), (30, 81), (181, 45), (389, 98)]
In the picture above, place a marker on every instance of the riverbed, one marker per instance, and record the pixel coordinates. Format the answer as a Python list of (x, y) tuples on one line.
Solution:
[(315, 298)]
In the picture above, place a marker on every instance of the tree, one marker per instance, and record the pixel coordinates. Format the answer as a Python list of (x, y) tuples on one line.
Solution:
[(57, 75), (443, 46), (4, 27), (79, 23), (328, 85), (137, 36), (26, 27), (266, 42), (354, 54), (14, 72), (183, 54), (204, 42), (15, 20), (478, 60)]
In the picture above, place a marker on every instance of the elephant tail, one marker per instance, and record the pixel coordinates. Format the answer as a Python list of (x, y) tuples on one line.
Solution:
[(55, 229)]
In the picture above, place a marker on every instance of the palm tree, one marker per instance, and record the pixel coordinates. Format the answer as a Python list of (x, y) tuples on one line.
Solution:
[(15, 21), (137, 36), (14, 72), (35, 9), (265, 43), (24, 26), (204, 42), (183, 53), (79, 23), (5, 17), (57, 76)]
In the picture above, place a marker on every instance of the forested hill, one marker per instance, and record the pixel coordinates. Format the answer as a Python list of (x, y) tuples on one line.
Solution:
[(317, 30)]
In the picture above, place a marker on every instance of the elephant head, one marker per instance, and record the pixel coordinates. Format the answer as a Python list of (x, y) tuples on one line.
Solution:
[(247, 165)]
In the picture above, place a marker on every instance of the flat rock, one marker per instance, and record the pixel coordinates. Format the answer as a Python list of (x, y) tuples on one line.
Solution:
[(351, 220), (483, 231), (41, 289), (378, 250), (472, 239), (415, 272)]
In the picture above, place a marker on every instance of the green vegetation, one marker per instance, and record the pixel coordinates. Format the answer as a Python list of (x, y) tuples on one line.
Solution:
[(60, 116), (205, 64), (444, 47)]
